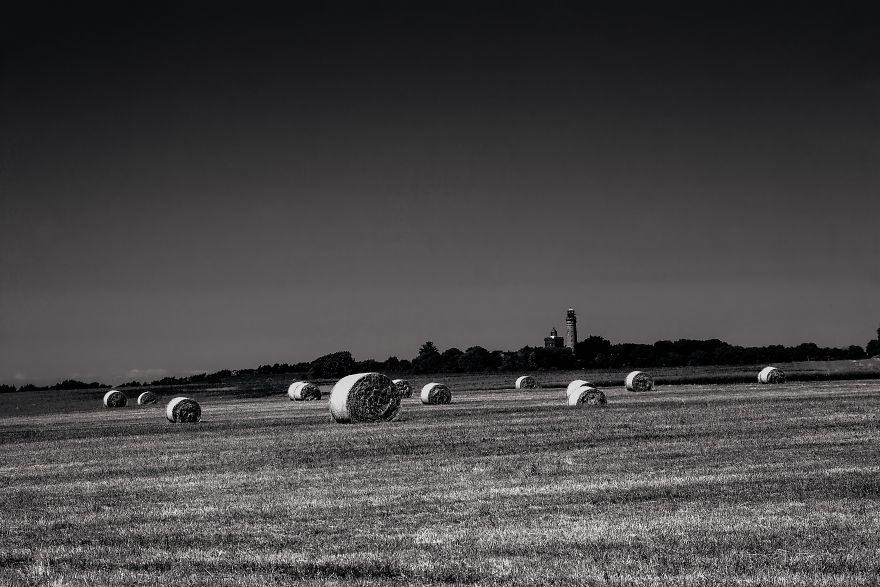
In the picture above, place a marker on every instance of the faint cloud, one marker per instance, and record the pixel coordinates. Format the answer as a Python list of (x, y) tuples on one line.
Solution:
[(19, 376), (145, 373)]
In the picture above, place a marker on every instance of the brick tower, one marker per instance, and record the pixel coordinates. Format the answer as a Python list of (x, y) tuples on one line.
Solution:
[(571, 332)]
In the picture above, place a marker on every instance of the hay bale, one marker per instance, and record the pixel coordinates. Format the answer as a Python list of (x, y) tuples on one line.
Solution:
[(574, 385), (435, 394), (526, 382), (147, 397), (403, 387), (639, 381), (304, 391), (115, 399), (771, 375), (364, 397), (586, 395), (183, 409)]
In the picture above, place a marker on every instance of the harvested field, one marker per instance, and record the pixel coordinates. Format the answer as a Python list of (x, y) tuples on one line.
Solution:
[(700, 485)]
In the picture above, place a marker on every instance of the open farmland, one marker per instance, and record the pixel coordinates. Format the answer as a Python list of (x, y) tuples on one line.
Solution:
[(690, 485)]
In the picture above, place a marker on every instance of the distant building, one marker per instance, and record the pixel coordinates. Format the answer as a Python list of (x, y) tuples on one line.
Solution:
[(571, 332), (553, 341)]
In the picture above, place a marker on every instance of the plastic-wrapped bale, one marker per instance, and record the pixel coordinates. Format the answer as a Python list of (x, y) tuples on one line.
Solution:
[(147, 397), (304, 391), (527, 382), (586, 395), (364, 397), (639, 381), (771, 375), (115, 399), (183, 410), (435, 394), (574, 385), (403, 387)]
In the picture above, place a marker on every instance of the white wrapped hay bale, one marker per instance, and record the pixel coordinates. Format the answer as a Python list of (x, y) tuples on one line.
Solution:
[(303, 391), (115, 399), (771, 375), (527, 382), (364, 397), (147, 397), (574, 385), (435, 394), (639, 381), (183, 409), (403, 387), (586, 395)]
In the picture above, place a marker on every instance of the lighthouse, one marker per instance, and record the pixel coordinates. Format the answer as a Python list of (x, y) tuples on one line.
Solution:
[(571, 333)]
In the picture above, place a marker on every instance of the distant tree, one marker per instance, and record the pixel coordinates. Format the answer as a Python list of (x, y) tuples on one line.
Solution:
[(7, 388), (477, 359), (872, 349), (552, 358), (602, 361), (428, 360), (334, 365), (510, 361), (807, 351), (429, 348), (69, 384), (392, 364), (855, 352), (449, 360), (699, 357), (587, 349), (369, 366), (130, 384)]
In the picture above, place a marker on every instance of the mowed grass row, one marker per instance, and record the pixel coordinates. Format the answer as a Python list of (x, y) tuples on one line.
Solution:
[(692, 485)]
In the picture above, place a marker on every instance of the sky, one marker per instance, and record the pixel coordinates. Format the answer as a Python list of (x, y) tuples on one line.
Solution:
[(190, 187)]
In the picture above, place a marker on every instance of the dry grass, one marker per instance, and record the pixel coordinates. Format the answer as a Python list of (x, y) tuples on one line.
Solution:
[(702, 485)]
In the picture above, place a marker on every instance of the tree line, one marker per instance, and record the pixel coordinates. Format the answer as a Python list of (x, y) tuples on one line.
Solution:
[(594, 352)]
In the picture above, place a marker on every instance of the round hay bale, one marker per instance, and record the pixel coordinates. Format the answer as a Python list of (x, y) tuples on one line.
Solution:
[(303, 391), (574, 385), (771, 375), (403, 387), (435, 394), (527, 382), (147, 397), (586, 395), (115, 399), (364, 397), (639, 381), (183, 409)]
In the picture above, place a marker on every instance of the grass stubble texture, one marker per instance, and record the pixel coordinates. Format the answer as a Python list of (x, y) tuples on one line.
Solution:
[(692, 485)]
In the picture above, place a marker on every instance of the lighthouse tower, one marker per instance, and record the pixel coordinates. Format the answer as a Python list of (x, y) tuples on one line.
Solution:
[(571, 333)]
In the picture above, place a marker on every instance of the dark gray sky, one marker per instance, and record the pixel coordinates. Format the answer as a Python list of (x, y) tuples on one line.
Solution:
[(203, 187)]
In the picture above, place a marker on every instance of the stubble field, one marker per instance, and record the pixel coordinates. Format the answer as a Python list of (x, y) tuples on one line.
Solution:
[(689, 485)]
